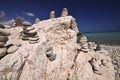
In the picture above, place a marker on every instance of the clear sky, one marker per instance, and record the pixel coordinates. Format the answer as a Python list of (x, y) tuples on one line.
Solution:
[(91, 15)]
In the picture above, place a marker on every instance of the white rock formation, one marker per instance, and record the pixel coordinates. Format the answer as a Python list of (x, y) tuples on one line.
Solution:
[(55, 56)]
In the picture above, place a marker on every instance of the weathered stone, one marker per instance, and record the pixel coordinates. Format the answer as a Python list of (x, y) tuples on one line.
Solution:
[(84, 47), (3, 52), (25, 38), (52, 57), (2, 44), (83, 39), (37, 20), (33, 42), (26, 23), (2, 26), (34, 39), (30, 28), (64, 12), (3, 38), (92, 45), (32, 31), (12, 49), (52, 14), (4, 32)]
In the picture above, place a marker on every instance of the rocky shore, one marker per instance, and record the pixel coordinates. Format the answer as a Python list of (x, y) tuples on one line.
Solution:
[(49, 50), (114, 51)]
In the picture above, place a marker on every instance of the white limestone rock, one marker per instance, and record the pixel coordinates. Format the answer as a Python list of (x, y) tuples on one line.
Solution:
[(30, 62), (12, 49)]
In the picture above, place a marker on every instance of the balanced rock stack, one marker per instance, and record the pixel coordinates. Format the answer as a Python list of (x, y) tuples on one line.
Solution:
[(3, 39), (37, 20), (87, 46), (33, 37), (84, 44), (30, 33), (64, 12), (49, 53), (25, 35), (52, 14)]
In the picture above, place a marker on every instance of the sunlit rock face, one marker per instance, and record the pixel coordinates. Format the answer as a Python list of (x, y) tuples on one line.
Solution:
[(56, 56)]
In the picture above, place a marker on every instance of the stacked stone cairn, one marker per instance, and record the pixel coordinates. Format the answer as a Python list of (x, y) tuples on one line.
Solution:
[(29, 33), (49, 53), (3, 39), (64, 12), (25, 35), (6, 49), (37, 20), (85, 45), (52, 14)]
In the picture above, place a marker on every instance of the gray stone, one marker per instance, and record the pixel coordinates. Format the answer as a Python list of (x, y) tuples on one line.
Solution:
[(52, 57), (3, 38), (34, 39), (12, 49), (33, 42), (30, 28), (3, 51), (83, 39), (2, 26), (31, 34), (37, 20), (26, 23), (4, 32), (32, 31), (49, 51), (2, 44), (84, 47)]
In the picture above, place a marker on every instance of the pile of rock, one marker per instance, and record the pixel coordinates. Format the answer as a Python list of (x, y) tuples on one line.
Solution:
[(52, 14), (3, 39), (25, 35), (29, 33), (37, 20), (64, 12), (85, 45), (49, 53)]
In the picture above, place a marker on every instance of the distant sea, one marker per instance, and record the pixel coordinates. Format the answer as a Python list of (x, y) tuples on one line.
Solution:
[(110, 38)]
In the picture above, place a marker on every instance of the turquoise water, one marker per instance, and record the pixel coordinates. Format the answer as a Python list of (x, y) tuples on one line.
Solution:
[(112, 38)]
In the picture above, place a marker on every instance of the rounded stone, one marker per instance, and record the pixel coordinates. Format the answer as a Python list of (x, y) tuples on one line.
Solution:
[(52, 57), (3, 38), (32, 34), (2, 26), (32, 31), (26, 23), (4, 32), (2, 44), (3, 51), (30, 28), (33, 42), (12, 49), (34, 39), (83, 39)]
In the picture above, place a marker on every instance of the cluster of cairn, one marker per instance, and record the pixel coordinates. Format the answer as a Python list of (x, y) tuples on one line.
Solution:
[(49, 53), (5, 49), (29, 33), (86, 46), (63, 14)]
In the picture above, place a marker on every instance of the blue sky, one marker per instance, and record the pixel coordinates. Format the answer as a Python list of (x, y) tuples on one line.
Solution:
[(91, 15)]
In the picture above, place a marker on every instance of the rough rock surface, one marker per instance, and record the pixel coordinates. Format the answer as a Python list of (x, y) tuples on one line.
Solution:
[(115, 55), (57, 56)]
